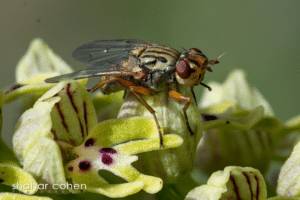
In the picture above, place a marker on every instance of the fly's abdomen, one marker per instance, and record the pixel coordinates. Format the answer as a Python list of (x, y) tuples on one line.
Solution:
[(158, 57), (160, 62)]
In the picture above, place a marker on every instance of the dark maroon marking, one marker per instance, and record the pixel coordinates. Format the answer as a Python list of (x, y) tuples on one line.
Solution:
[(85, 117), (61, 116), (84, 165), (54, 133), (106, 159), (2, 172), (71, 97), (70, 169), (235, 188), (55, 95), (248, 181), (81, 127), (107, 150), (75, 108), (257, 187), (227, 122), (13, 87), (208, 117), (1, 180), (89, 142)]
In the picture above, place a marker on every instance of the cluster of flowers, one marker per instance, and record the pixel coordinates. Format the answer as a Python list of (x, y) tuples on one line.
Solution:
[(70, 144)]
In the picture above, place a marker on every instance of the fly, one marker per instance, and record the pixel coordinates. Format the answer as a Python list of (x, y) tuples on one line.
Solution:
[(142, 68)]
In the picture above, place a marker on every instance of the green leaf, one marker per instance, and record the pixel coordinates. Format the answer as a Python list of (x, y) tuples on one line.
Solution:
[(6, 154)]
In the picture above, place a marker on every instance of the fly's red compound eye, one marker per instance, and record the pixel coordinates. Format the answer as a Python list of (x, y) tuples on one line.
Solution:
[(183, 69), (195, 50)]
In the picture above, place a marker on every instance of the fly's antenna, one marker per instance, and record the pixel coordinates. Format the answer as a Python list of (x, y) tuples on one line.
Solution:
[(213, 62), (221, 56)]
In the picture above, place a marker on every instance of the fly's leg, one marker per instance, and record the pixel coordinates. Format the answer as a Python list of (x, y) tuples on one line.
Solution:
[(179, 97), (136, 90), (101, 84), (209, 88)]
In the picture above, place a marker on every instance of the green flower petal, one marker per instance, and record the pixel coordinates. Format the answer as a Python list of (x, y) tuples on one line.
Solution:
[(288, 181), (107, 106), (40, 61), (110, 147), (235, 113), (64, 114), (251, 135), (117, 190), (18, 179), (10, 196), (232, 183), (230, 120), (235, 90), (17, 91), (292, 125)]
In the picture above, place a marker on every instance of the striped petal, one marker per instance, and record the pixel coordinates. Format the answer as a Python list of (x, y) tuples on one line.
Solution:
[(232, 183)]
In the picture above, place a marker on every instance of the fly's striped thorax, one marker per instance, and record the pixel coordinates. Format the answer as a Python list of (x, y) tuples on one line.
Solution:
[(158, 57)]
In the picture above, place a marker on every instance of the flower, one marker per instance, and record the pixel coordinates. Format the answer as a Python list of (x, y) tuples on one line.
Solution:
[(232, 183), (252, 142)]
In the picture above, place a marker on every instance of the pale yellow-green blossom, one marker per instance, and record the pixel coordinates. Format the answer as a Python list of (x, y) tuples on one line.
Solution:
[(232, 183)]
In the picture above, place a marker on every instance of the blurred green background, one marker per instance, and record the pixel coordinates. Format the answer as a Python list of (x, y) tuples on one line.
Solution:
[(260, 37)]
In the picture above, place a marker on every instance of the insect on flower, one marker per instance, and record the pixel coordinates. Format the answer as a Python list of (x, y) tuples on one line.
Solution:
[(141, 67)]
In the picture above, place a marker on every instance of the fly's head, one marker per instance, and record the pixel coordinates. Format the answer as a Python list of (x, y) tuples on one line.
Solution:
[(191, 67)]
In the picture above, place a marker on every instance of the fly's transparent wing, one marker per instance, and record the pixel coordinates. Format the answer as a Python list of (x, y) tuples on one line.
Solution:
[(112, 51), (105, 70), (104, 57)]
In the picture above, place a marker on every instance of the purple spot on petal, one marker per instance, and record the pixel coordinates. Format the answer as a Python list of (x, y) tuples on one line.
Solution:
[(89, 142), (107, 150), (70, 169), (84, 165), (1, 180), (106, 159)]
